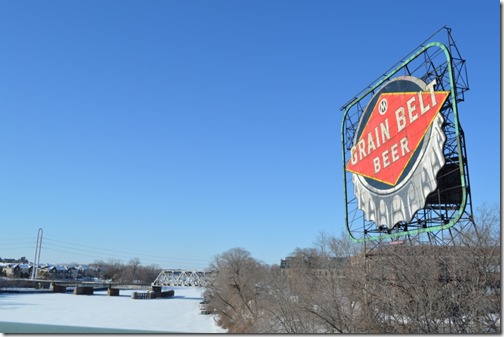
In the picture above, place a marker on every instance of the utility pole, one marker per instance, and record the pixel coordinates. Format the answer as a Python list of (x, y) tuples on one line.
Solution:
[(38, 248)]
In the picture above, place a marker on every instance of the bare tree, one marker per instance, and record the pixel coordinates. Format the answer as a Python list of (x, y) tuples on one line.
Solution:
[(335, 287), (133, 271), (284, 311), (313, 291), (438, 289), (233, 292)]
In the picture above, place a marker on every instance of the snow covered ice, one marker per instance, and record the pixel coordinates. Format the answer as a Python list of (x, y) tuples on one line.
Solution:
[(180, 313)]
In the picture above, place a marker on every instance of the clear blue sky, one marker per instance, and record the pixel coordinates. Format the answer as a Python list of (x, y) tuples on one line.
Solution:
[(173, 131)]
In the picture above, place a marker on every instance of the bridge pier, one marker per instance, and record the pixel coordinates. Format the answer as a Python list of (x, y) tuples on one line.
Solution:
[(112, 291), (57, 288), (83, 291)]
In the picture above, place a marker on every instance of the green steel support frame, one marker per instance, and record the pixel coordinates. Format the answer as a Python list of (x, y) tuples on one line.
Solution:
[(433, 223)]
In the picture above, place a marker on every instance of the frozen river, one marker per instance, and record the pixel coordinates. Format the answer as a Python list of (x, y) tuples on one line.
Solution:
[(101, 313)]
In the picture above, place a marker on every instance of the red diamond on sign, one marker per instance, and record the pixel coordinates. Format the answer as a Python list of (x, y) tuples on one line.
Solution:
[(394, 130)]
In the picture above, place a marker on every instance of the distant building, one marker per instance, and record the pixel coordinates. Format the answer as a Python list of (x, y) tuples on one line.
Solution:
[(18, 270), (318, 266)]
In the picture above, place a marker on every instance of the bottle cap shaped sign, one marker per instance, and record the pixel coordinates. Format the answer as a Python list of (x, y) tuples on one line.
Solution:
[(398, 150)]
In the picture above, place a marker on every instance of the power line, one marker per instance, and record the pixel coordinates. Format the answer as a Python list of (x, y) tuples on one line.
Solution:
[(116, 252), (71, 248), (98, 253)]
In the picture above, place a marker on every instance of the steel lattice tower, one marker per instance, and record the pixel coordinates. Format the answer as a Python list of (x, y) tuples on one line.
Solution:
[(448, 209)]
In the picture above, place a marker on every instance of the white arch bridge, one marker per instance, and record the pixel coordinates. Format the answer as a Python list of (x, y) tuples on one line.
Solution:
[(181, 278)]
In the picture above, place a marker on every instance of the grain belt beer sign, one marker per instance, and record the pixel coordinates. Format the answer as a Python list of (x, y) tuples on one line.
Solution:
[(397, 150)]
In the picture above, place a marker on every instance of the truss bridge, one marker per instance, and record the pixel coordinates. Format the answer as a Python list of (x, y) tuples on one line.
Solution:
[(181, 278)]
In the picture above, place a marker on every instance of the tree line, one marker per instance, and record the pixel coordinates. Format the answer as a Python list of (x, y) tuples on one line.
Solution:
[(131, 272), (334, 287)]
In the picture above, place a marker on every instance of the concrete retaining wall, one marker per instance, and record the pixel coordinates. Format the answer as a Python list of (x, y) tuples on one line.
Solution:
[(152, 295)]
